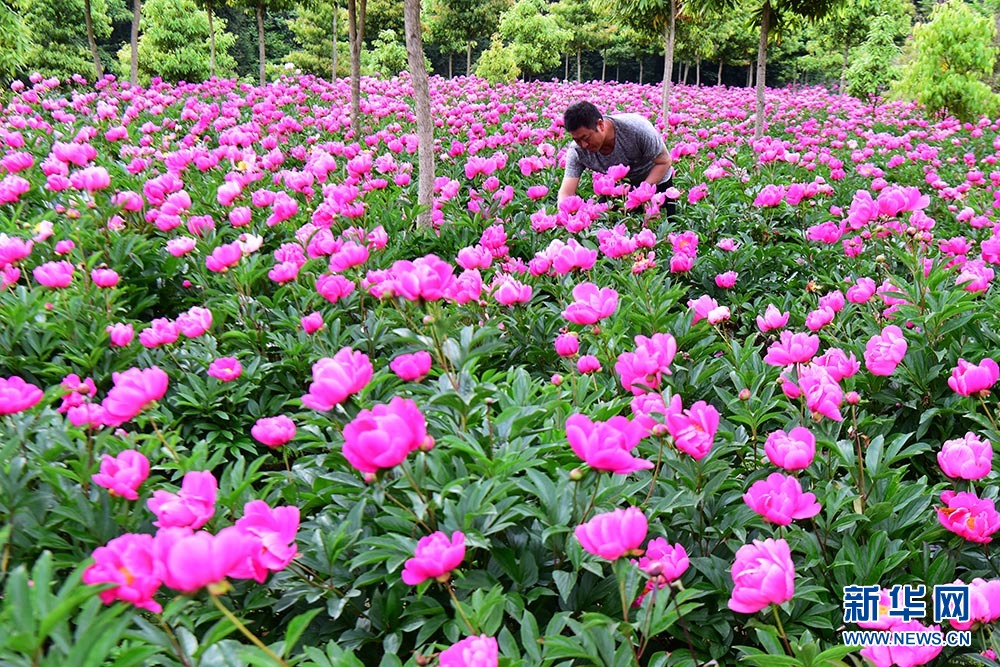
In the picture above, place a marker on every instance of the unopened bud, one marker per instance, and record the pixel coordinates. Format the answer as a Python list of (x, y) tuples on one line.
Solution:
[(744, 394), (660, 430), (576, 474), (557, 379), (852, 398)]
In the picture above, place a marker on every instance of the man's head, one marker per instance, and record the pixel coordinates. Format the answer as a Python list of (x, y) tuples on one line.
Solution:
[(586, 125)]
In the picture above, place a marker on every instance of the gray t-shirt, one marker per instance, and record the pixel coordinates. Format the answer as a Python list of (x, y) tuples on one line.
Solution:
[(637, 143)]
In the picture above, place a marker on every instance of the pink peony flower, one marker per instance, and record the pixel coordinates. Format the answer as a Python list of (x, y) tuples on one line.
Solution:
[(90, 179), (16, 395), (665, 560), (838, 364), (195, 322), (225, 369), (966, 458), (779, 499), (191, 507), (334, 287), (224, 257), (104, 277), (161, 331), (383, 436), (188, 561), (591, 304), (128, 562), (334, 380), (120, 334), (792, 348), (726, 280), (54, 274), (567, 344), (861, 291), (273, 431), (481, 651), (275, 531), (412, 367), (908, 656), (968, 379), (428, 278), (606, 445), (588, 363), (771, 319), (612, 535), (123, 474), (823, 395), (435, 557), (763, 573), (693, 430), (791, 451), (819, 318), (702, 307), (134, 391), (884, 351), (984, 603), (312, 322), (507, 291), (966, 515)]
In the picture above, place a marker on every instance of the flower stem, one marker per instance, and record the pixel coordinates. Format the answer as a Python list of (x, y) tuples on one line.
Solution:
[(166, 444), (176, 644), (246, 632), (781, 630), (458, 608)]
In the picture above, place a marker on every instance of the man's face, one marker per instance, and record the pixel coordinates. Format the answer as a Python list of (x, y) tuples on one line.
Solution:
[(588, 139)]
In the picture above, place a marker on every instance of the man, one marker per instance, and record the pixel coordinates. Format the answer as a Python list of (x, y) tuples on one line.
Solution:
[(602, 142)]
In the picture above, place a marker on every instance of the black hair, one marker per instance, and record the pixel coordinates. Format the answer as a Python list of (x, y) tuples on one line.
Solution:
[(581, 114)]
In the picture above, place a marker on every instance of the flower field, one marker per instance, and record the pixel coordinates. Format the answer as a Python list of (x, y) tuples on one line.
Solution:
[(253, 414)]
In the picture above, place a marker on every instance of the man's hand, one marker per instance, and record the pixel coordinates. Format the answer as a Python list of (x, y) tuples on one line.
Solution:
[(568, 187), (661, 165)]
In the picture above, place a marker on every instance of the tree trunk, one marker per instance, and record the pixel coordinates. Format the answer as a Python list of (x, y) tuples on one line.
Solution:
[(356, 33), (640, 71), (211, 40), (260, 42), (604, 64), (336, 10), (98, 69), (718, 76), (843, 72), (765, 28), (134, 42), (578, 77), (687, 70), (668, 57), (422, 102), (697, 71), (750, 75), (566, 67), (451, 58), (468, 59)]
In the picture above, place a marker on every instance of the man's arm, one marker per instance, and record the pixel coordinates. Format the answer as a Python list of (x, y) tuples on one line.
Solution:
[(568, 187), (661, 165)]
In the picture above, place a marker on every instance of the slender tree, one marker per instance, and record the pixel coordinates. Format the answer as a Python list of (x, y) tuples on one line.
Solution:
[(650, 16), (134, 42), (209, 7), (92, 40), (769, 17), (260, 8), (356, 10), (422, 102)]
